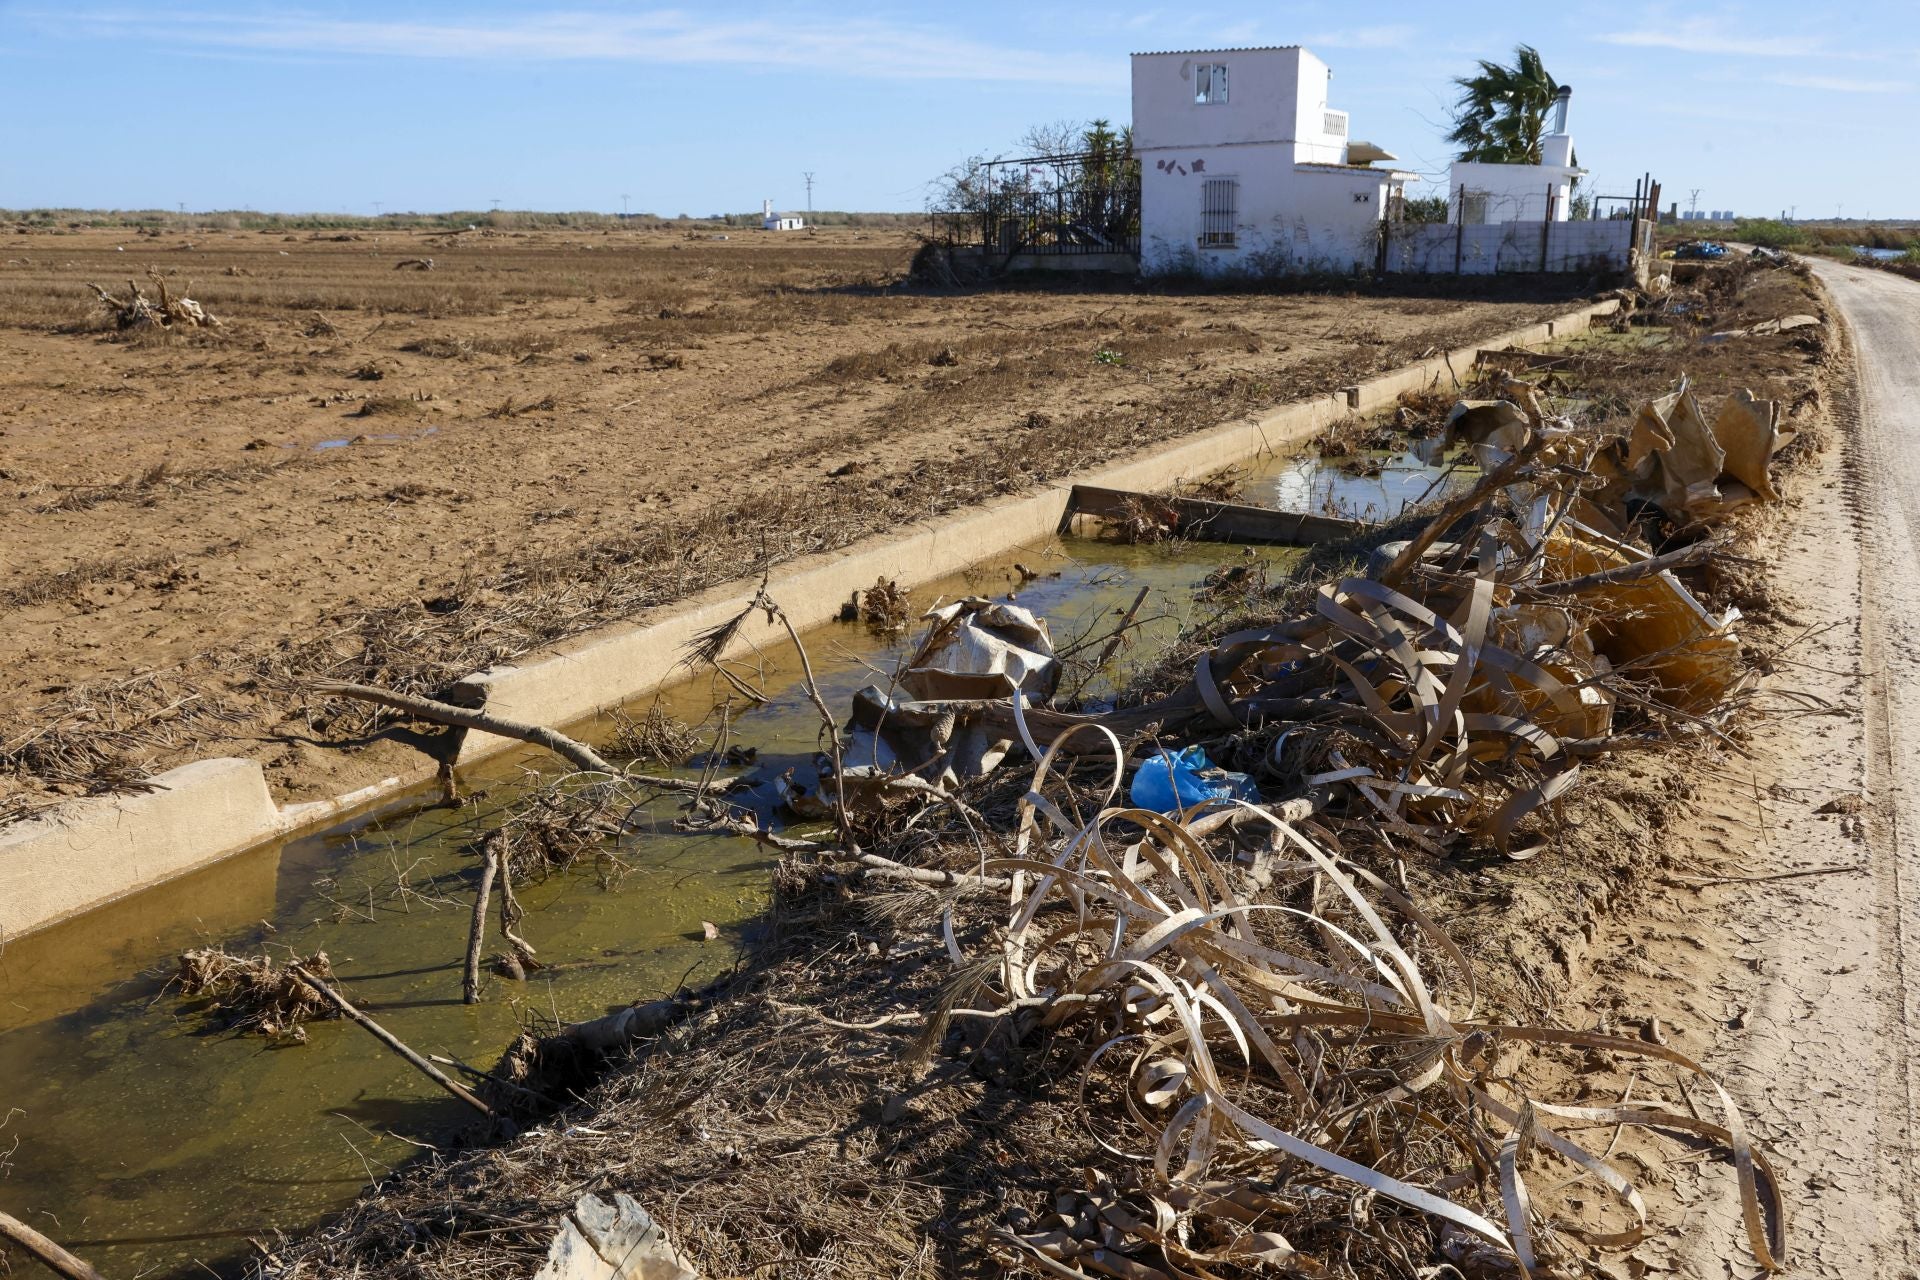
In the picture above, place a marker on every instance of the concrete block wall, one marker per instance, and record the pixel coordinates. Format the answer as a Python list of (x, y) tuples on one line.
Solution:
[(1431, 248)]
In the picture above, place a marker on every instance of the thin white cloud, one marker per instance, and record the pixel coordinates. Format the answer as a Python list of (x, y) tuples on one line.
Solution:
[(867, 49), (1696, 36), (1393, 36), (1842, 84)]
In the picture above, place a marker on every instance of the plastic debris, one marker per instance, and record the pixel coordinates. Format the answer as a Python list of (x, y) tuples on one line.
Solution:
[(621, 1241), (976, 648), (1169, 783)]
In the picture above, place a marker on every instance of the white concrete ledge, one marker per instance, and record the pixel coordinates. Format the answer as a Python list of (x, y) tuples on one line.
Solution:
[(90, 852)]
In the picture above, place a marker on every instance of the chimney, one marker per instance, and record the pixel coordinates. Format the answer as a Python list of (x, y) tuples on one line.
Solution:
[(1560, 101)]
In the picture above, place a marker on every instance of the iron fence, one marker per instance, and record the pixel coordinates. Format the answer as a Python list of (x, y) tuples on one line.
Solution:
[(1065, 220)]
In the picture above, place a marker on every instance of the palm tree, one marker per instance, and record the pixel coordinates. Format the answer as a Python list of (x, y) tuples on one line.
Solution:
[(1503, 111)]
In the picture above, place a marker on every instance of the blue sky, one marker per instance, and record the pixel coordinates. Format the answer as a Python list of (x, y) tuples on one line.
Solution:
[(142, 103)]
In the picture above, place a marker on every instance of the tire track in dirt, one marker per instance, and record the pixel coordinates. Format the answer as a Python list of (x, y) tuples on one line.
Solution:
[(1883, 312)]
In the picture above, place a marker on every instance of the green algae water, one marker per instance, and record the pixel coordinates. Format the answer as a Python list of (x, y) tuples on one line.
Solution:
[(153, 1143)]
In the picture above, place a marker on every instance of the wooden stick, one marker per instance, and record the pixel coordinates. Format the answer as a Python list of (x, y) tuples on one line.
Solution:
[(1120, 632), (1626, 572), (44, 1249), (477, 934), (1702, 882), (392, 1042), (510, 912), (578, 754), (877, 865)]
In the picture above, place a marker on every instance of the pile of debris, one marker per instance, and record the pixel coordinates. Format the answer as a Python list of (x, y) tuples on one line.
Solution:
[(253, 993), (137, 311), (1194, 930), (1270, 1025), (1452, 690)]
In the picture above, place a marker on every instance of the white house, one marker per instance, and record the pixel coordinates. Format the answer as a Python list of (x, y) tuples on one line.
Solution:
[(771, 221), (1244, 166), (1483, 194)]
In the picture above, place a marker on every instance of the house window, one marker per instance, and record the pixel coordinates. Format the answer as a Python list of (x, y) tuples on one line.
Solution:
[(1210, 83), (1335, 123), (1473, 207), (1219, 201)]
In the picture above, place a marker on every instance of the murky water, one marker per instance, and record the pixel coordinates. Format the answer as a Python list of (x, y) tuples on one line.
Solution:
[(1375, 486), (154, 1144)]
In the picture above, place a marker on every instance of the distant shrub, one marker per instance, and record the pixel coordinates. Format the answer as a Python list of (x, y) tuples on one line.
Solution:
[(1769, 232)]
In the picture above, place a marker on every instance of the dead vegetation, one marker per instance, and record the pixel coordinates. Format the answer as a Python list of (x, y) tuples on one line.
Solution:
[(137, 313), (253, 993), (1025, 1023)]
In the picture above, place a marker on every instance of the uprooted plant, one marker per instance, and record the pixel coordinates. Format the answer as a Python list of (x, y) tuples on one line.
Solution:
[(136, 311)]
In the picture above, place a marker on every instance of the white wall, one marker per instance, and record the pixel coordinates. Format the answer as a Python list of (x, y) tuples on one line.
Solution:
[(1288, 218), (1432, 248), (1515, 192), (1274, 119), (1273, 95)]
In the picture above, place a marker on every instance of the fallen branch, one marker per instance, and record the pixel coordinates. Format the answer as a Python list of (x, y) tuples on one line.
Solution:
[(1627, 572), (576, 753), (477, 934), (510, 912), (46, 1250), (393, 1042)]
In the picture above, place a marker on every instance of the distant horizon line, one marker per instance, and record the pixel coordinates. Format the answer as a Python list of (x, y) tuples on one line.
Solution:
[(131, 212)]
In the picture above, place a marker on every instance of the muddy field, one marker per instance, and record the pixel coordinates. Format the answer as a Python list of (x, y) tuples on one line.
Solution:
[(399, 474)]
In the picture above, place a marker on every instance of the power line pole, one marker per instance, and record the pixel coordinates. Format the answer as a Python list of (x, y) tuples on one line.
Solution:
[(809, 178), (623, 207), (1693, 201)]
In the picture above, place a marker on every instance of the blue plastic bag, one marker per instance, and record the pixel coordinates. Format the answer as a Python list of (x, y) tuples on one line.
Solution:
[(1168, 782)]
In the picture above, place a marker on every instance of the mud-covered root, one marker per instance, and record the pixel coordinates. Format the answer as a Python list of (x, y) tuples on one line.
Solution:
[(137, 311), (252, 993), (539, 1074)]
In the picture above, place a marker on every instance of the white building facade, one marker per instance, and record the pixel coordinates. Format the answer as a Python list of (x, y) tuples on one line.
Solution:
[(1486, 194), (771, 221), (1244, 166)]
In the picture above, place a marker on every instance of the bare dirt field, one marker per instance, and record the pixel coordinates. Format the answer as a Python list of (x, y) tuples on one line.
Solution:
[(400, 475)]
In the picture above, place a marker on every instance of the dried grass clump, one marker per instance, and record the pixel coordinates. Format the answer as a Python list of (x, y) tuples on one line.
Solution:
[(252, 993), (569, 826), (885, 607), (658, 737)]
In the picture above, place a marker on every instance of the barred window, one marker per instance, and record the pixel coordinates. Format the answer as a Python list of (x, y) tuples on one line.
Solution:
[(1219, 202), (1335, 123)]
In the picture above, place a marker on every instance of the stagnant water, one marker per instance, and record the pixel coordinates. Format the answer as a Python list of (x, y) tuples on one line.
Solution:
[(153, 1143)]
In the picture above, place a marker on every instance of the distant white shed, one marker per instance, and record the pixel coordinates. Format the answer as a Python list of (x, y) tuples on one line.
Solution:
[(1484, 194), (771, 221)]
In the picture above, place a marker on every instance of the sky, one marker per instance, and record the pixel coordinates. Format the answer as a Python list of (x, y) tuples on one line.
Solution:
[(1762, 106)]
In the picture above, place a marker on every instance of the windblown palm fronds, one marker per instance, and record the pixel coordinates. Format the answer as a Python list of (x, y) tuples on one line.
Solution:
[(1501, 113)]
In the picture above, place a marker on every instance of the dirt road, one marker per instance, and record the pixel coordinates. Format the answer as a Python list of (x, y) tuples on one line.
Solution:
[(1884, 313), (1815, 983)]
